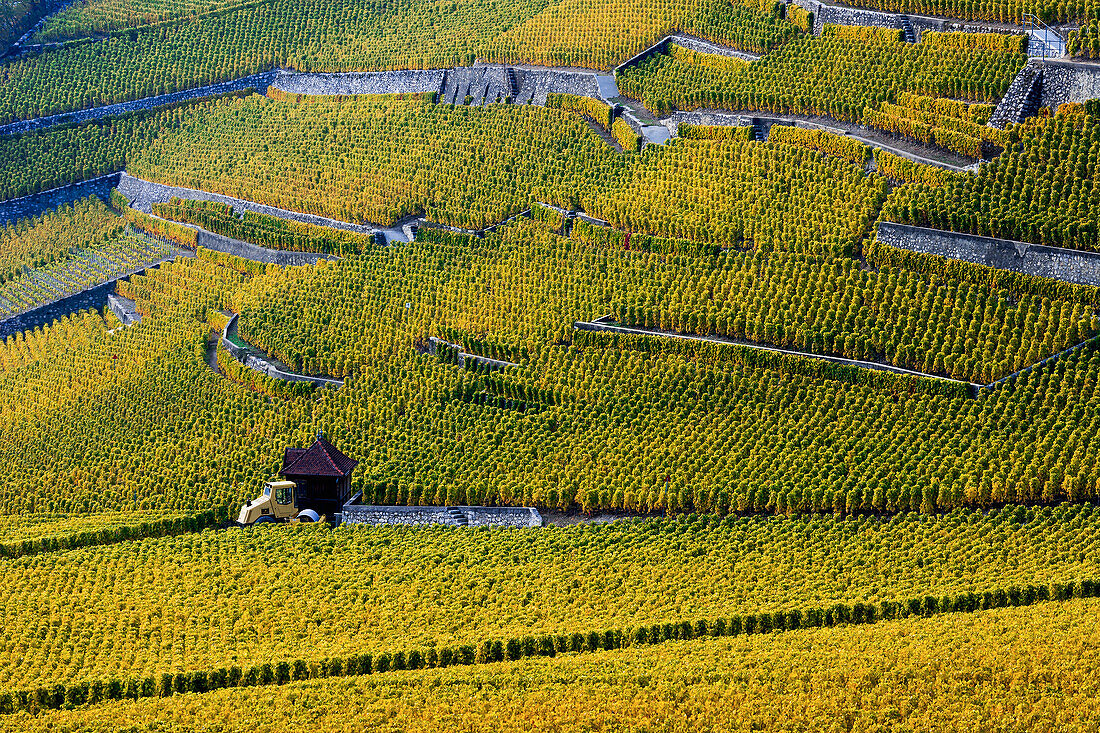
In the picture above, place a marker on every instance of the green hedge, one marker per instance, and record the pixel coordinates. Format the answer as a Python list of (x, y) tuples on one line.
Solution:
[(544, 645)]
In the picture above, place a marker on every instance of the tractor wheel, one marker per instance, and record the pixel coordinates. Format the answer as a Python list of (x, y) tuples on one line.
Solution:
[(265, 519)]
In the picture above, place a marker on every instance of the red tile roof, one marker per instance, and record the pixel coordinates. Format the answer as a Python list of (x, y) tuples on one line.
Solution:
[(320, 459)]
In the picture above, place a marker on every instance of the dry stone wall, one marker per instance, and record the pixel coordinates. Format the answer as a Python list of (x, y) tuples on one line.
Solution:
[(39, 203), (143, 194), (462, 516), (1021, 99), (368, 82), (256, 82), (1080, 268), (1067, 81), (264, 365)]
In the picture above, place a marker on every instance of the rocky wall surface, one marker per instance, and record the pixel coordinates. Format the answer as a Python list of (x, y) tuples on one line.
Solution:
[(1066, 81), (372, 82), (1021, 98), (143, 194), (1081, 268), (95, 297), (429, 515), (481, 84), (532, 85), (702, 46), (709, 119), (124, 309), (836, 15), (258, 362), (256, 82), (39, 203), (249, 251)]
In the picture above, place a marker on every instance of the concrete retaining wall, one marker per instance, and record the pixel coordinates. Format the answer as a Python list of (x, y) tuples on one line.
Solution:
[(475, 516), (1080, 268)]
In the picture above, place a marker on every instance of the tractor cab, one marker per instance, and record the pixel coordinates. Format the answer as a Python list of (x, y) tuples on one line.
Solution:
[(276, 503)]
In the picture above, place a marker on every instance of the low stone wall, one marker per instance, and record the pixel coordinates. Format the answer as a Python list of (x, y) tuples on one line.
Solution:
[(475, 516), (254, 252), (143, 194), (367, 82), (532, 85), (124, 309), (39, 203), (702, 46), (602, 324), (257, 362), (96, 297), (463, 357), (1080, 268), (258, 82), (837, 15)]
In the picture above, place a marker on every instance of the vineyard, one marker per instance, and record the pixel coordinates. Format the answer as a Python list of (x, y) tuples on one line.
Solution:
[(602, 434), (794, 475), (838, 74), (380, 591), (1040, 190), (952, 667)]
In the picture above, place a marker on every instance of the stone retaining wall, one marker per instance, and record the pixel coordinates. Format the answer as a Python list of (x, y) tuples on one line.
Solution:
[(1066, 81), (702, 46), (254, 252), (95, 297), (1080, 268), (143, 194), (475, 516), (258, 82), (368, 82), (532, 85), (837, 15), (601, 324), (39, 203), (260, 364), (124, 309), (1021, 98)]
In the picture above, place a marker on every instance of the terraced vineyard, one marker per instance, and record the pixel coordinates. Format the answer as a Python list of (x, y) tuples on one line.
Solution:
[(837, 74), (821, 457), (83, 269)]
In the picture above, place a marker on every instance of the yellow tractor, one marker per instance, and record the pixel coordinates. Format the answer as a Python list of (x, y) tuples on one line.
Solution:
[(276, 504)]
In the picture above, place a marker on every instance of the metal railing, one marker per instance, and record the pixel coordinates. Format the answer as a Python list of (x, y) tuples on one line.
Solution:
[(1050, 44)]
